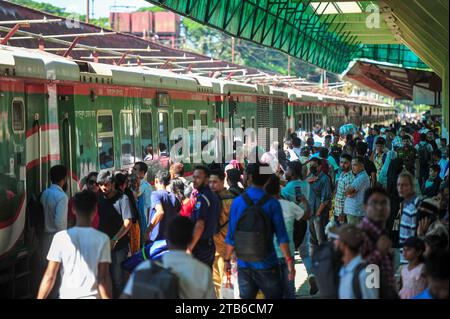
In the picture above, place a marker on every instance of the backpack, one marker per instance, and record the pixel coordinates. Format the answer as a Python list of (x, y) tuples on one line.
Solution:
[(423, 154), (225, 197), (253, 235), (155, 282), (325, 266)]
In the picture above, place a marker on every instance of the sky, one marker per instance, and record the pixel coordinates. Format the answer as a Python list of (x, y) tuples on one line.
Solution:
[(101, 7)]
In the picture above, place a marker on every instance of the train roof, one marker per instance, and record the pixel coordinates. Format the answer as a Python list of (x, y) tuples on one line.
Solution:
[(38, 64)]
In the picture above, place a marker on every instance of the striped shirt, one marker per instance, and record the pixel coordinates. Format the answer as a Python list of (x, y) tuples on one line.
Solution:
[(408, 223), (343, 184)]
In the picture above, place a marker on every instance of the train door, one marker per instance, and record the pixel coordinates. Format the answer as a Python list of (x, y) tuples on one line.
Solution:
[(37, 128), (66, 125)]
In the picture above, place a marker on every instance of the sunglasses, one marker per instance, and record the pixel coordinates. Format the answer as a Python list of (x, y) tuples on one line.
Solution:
[(92, 182)]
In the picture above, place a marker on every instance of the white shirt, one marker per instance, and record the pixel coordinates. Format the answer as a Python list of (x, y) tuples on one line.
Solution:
[(291, 213), (54, 201), (195, 278), (79, 250)]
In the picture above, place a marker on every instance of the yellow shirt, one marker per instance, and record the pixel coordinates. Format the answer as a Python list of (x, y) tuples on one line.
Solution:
[(226, 198)]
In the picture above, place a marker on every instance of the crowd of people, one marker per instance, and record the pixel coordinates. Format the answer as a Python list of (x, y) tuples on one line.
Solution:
[(353, 205)]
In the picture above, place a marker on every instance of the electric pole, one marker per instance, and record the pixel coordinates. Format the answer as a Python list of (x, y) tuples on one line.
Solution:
[(232, 49), (87, 11), (289, 65)]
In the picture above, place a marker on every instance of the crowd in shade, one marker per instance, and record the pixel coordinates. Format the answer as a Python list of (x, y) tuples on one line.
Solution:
[(364, 210)]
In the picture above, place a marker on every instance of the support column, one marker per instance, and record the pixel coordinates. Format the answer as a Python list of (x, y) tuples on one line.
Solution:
[(445, 100)]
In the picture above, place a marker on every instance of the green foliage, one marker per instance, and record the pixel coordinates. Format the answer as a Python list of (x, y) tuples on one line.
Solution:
[(208, 41), (46, 7), (150, 9), (61, 12)]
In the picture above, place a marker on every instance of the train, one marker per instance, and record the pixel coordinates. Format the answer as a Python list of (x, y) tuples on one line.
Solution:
[(91, 116)]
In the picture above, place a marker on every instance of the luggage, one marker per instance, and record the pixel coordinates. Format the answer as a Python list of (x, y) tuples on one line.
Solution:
[(155, 282), (153, 251)]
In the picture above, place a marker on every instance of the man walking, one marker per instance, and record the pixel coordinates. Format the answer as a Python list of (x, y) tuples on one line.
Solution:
[(145, 190), (262, 274), (82, 253), (217, 185), (165, 207), (205, 217), (115, 220), (54, 202)]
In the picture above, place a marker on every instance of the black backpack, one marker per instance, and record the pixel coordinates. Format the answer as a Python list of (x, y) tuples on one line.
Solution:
[(155, 282), (325, 266), (253, 235)]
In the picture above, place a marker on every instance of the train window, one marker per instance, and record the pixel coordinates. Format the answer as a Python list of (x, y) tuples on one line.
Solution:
[(164, 128), (191, 119), (204, 119), (127, 138), (104, 124), (105, 140), (18, 116), (253, 123), (177, 119), (106, 152), (146, 132)]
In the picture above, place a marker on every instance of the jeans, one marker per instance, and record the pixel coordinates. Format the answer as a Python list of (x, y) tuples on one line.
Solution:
[(288, 285), (268, 280), (303, 251), (117, 273), (317, 231)]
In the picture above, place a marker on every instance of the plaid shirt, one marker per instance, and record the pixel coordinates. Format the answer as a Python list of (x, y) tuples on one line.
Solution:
[(372, 255), (344, 182)]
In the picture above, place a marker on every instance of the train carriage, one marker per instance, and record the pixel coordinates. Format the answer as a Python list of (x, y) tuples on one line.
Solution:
[(90, 116)]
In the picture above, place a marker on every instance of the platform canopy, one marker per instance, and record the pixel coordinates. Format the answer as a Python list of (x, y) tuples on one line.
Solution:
[(332, 33)]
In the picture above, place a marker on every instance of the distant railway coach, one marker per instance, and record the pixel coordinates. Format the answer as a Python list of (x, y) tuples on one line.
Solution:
[(90, 116)]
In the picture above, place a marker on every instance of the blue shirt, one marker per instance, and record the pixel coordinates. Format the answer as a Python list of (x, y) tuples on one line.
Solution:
[(54, 202), (171, 208), (443, 164), (289, 191), (320, 192), (424, 295), (346, 281), (207, 208), (354, 206), (146, 191), (273, 209)]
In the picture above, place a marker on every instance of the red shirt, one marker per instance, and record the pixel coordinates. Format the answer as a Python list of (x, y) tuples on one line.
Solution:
[(71, 214)]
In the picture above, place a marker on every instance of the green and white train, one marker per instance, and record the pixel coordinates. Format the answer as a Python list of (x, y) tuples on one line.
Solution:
[(90, 116)]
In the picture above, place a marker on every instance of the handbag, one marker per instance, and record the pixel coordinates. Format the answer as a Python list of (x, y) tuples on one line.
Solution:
[(227, 289), (396, 224)]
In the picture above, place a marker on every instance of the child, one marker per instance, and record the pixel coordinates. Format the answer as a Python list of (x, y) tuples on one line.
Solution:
[(412, 275)]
